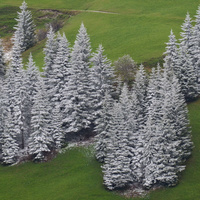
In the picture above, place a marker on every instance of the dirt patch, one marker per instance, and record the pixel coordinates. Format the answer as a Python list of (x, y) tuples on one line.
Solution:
[(56, 13)]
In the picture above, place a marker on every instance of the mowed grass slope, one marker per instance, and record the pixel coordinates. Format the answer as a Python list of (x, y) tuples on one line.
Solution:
[(74, 175), (138, 28)]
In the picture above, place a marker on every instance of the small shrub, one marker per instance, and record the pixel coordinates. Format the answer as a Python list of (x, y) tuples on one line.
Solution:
[(125, 67)]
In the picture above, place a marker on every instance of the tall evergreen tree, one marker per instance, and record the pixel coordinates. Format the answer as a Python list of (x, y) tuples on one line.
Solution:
[(59, 75), (102, 79), (78, 113), (187, 76), (140, 88), (57, 132), (196, 43), (29, 84), (25, 28), (10, 146), (171, 53), (164, 140), (40, 139), (62, 59), (17, 90), (187, 62), (50, 52), (102, 126), (116, 169)]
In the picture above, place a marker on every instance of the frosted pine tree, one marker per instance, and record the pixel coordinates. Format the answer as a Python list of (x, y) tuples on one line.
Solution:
[(171, 53), (25, 28), (164, 136), (160, 165), (57, 132), (60, 72), (50, 52), (102, 78), (40, 139), (179, 117), (29, 84), (116, 168), (140, 88), (17, 89), (10, 146), (78, 113), (102, 126), (196, 49), (186, 33), (62, 59), (187, 76)]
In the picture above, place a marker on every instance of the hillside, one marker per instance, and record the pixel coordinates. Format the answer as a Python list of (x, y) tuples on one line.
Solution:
[(138, 29)]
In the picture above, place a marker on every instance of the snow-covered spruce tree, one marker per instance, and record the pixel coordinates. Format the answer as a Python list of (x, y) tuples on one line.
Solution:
[(56, 124), (158, 161), (40, 139), (138, 119), (12, 118), (102, 79), (116, 168), (10, 146), (140, 88), (2, 62), (62, 59), (29, 84), (171, 53), (136, 138), (163, 152), (59, 75), (187, 75), (153, 89), (151, 128), (17, 90), (102, 126), (77, 111), (160, 166), (186, 34), (50, 52), (196, 43), (179, 118), (130, 108), (24, 29)]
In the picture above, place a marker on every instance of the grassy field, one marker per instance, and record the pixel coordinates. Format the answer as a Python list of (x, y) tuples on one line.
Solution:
[(138, 28), (73, 175)]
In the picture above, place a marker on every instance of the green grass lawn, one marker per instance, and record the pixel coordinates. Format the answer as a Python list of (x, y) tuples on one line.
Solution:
[(72, 175), (140, 28)]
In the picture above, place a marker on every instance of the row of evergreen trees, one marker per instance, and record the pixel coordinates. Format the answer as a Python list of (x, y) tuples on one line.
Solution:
[(144, 137), (183, 57), (38, 110)]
